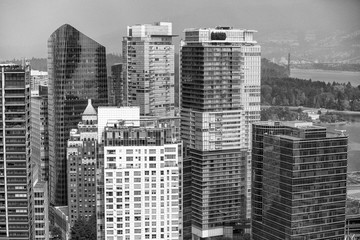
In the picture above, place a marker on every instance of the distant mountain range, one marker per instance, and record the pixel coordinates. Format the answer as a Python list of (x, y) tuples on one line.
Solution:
[(312, 46)]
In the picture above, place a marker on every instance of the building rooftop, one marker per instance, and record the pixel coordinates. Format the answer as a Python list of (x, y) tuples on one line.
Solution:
[(294, 124), (89, 110), (64, 210), (220, 28), (14, 67), (38, 73), (40, 184)]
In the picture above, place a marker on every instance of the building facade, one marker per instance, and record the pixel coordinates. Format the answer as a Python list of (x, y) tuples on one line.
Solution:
[(16, 187), (116, 85), (81, 160), (299, 182), (40, 132), (41, 211), (61, 221), (38, 78), (77, 72), (149, 70), (220, 79), (141, 191)]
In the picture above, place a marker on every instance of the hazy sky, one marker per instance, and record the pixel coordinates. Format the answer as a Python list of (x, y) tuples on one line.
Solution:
[(25, 25)]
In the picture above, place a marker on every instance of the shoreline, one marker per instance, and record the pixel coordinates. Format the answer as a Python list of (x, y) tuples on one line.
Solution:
[(323, 70), (332, 124), (315, 109)]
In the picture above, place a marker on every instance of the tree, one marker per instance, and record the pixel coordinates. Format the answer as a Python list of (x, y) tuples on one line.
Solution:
[(55, 233), (84, 230), (245, 236)]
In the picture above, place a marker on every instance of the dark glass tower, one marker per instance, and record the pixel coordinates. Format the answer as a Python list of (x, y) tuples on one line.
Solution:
[(77, 72), (16, 194), (115, 86), (299, 182)]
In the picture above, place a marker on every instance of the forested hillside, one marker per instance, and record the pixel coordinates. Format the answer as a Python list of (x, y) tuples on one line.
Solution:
[(272, 70), (277, 89)]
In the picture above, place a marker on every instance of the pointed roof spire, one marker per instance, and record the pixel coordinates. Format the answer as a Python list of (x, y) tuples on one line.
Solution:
[(89, 110)]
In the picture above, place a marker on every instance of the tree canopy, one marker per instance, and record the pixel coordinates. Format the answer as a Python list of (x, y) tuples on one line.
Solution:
[(283, 114), (277, 89), (84, 230)]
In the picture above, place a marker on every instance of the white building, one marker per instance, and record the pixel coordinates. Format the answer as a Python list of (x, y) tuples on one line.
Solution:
[(141, 184)]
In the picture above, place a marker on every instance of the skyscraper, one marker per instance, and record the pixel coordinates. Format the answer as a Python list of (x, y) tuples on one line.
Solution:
[(149, 69), (16, 187), (116, 85), (77, 72), (220, 78), (299, 182), (137, 176), (81, 160), (141, 177), (40, 132)]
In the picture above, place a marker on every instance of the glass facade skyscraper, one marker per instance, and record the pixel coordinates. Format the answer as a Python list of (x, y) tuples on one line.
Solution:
[(77, 72), (220, 79), (16, 187), (299, 182)]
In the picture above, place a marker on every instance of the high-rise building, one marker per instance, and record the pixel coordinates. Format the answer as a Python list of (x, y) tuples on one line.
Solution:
[(116, 85), (16, 187), (77, 72), (149, 70), (81, 160), (299, 182), (220, 78), (141, 161), (39, 132)]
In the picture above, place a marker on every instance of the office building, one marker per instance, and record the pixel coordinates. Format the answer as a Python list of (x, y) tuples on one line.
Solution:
[(220, 78), (41, 211), (142, 158), (39, 201), (299, 182), (77, 72), (116, 85), (61, 221), (149, 70), (16, 187), (39, 132), (81, 160)]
